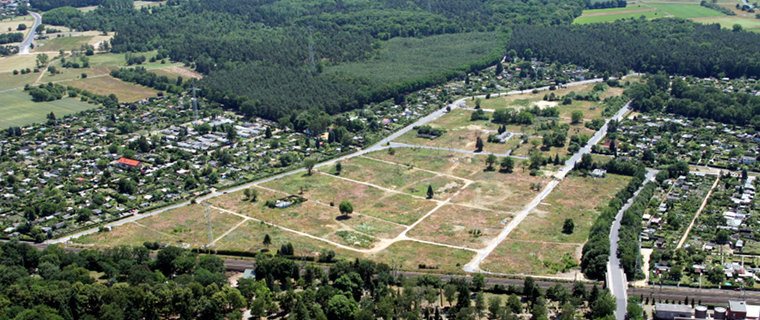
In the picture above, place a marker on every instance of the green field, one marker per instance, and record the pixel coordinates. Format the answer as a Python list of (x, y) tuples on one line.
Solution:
[(686, 11), (18, 109), (402, 59), (612, 17), (728, 22), (62, 43)]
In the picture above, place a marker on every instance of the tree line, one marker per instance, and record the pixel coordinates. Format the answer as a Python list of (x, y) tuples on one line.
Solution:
[(659, 93), (259, 51), (596, 251), (675, 46), (11, 37), (141, 76), (155, 282)]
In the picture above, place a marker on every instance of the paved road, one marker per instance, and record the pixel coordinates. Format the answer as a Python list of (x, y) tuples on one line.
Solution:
[(25, 46), (377, 146), (616, 279), (474, 264)]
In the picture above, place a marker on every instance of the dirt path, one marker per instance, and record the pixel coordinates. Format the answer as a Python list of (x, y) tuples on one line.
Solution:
[(704, 203)]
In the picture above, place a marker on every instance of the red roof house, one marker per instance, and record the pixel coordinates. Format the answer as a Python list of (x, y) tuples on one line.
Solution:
[(129, 163)]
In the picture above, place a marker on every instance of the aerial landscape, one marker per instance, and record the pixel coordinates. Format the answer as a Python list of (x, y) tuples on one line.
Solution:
[(386, 159)]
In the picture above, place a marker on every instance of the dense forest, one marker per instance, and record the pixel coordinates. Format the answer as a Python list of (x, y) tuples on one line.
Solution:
[(272, 53), (671, 45), (659, 94), (151, 282)]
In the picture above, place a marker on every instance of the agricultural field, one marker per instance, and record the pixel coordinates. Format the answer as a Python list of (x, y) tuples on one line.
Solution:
[(18, 109), (16, 62), (728, 22), (105, 85), (650, 10), (401, 59), (54, 44)]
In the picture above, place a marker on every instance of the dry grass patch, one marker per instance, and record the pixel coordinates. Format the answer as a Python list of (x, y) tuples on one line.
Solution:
[(451, 163), (250, 237), (409, 255), (577, 198), (518, 101), (124, 91), (366, 199), (18, 62), (188, 224), (127, 234), (461, 226), (533, 258), (500, 191)]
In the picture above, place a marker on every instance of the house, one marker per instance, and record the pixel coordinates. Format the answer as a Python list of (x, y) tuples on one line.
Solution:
[(129, 163), (747, 160), (598, 173), (668, 311), (249, 274), (741, 310)]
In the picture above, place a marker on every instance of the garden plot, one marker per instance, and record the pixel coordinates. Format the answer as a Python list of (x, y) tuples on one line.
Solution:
[(461, 226)]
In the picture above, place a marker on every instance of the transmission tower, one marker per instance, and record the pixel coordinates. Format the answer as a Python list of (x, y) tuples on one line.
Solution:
[(311, 49), (208, 221), (195, 103)]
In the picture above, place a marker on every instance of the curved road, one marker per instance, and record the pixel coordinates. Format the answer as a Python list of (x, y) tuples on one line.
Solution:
[(25, 46)]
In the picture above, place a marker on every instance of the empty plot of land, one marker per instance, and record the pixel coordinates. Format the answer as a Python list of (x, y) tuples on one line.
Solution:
[(185, 226), (398, 177), (130, 234), (577, 198), (18, 109), (124, 91), (410, 255), (177, 71), (494, 190), (461, 226), (526, 99), (613, 16), (461, 133), (369, 200), (250, 237), (530, 257), (452, 163)]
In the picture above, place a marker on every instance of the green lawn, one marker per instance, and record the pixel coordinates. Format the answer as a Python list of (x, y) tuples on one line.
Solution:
[(18, 109), (686, 11), (635, 7), (402, 59)]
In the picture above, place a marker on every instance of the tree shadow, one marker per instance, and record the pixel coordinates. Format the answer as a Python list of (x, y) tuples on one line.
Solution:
[(343, 217)]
